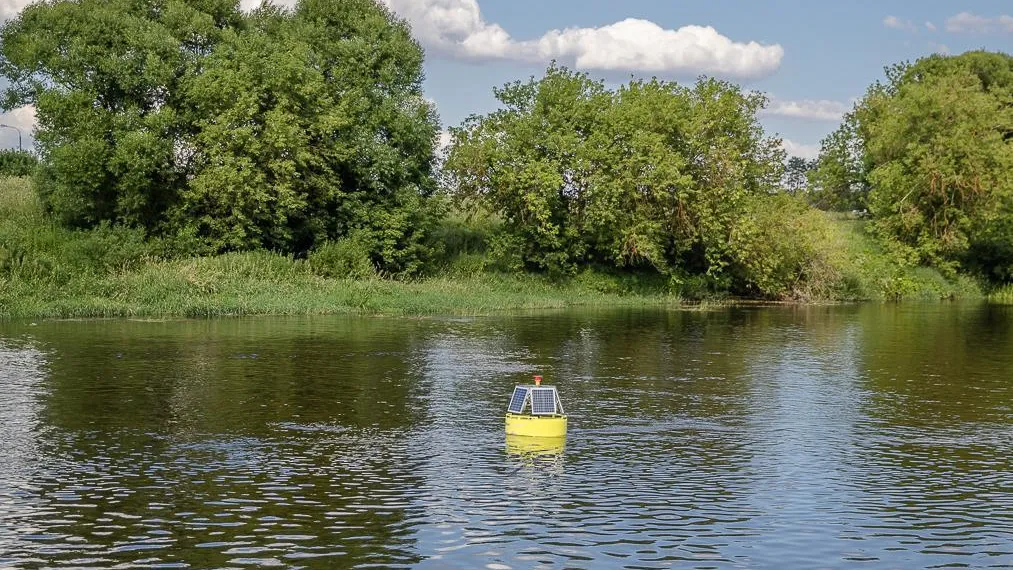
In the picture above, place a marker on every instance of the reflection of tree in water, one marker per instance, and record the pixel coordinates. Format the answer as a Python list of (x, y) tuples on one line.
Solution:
[(258, 438), (937, 440), (660, 364), (939, 365), (232, 375), (383, 439)]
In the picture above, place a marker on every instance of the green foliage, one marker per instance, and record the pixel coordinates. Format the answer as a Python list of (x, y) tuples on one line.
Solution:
[(109, 248), (871, 272), (796, 174), (935, 144), (189, 119), (347, 258), (50, 271), (839, 181), (34, 249), (785, 250), (648, 177), (17, 162), (1002, 295)]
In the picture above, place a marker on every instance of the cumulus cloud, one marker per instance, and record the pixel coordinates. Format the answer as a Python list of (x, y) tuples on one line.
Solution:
[(806, 151), (930, 26), (812, 110), (966, 22), (24, 119), (898, 24), (10, 8), (457, 29)]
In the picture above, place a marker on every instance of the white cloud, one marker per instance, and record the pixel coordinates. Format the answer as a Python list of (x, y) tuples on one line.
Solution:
[(806, 151), (898, 24), (248, 5), (10, 8), (24, 119), (966, 22), (930, 26), (821, 110), (456, 28)]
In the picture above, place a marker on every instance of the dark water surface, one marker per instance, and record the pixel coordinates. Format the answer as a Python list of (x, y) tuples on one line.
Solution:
[(837, 437)]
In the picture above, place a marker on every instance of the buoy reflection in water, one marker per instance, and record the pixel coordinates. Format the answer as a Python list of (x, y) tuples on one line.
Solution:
[(535, 446)]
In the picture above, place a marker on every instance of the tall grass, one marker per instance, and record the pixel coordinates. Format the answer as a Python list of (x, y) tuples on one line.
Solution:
[(49, 271), (1002, 295), (869, 272), (265, 283)]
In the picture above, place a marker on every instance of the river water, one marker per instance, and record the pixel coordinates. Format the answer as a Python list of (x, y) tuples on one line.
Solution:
[(876, 436)]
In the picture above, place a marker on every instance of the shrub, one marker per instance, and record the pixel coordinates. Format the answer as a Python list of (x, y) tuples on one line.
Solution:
[(784, 249), (1002, 295), (17, 162), (649, 176), (347, 258)]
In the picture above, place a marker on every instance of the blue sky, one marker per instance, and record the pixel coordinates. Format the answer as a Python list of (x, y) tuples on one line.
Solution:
[(832, 51), (812, 58)]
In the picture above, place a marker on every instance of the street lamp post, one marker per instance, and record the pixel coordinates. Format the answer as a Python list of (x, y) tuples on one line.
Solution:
[(16, 129)]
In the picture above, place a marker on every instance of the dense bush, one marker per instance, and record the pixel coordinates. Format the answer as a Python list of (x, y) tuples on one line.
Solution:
[(785, 249), (347, 258), (281, 129), (650, 176), (17, 162)]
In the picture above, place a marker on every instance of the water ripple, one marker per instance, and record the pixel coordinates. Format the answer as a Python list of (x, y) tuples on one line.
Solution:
[(737, 439)]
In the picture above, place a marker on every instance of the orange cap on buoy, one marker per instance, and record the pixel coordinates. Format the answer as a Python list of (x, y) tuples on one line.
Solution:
[(538, 380)]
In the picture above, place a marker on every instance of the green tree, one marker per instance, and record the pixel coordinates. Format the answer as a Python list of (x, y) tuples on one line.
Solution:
[(839, 179), (17, 162), (796, 175), (651, 176), (280, 128), (934, 144)]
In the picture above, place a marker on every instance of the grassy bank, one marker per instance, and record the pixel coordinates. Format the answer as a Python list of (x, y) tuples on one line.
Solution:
[(869, 273), (1002, 296), (50, 272), (263, 283)]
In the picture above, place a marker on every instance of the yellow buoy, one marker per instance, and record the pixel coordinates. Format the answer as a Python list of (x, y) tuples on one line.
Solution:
[(534, 446), (536, 411)]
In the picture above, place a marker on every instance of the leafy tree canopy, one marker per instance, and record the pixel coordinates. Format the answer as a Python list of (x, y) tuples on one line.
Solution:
[(276, 128), (651, 176), (933, 149)]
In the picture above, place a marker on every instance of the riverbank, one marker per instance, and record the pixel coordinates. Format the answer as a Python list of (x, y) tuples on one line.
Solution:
[(49, 272), (261, 283)]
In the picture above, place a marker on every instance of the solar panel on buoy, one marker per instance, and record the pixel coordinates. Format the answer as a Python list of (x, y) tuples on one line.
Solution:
[(517, 401), (543, 401)]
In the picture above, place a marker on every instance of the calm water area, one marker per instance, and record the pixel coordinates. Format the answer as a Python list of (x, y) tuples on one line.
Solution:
[(865, 436)]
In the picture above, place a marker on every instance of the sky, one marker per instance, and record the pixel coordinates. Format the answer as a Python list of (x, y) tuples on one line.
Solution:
[(812, 59)]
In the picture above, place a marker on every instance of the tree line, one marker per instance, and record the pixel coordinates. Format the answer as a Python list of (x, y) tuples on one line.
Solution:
[(306, 131), (929, 151)]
